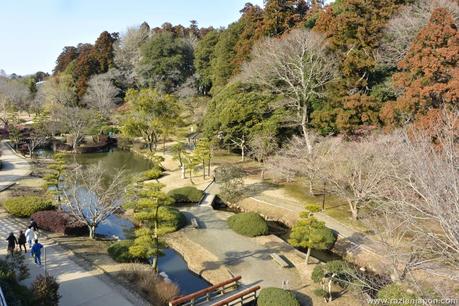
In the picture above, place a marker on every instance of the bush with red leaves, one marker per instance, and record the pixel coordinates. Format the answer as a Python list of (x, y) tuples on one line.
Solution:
[(60, 222)]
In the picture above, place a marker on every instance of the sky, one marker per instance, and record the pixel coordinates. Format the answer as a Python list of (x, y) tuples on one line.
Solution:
[(33, 32)]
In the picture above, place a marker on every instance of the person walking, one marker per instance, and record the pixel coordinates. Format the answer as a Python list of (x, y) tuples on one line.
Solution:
[(36, 252), (22, 241), (33, 224), (12, 241), (30, 236)]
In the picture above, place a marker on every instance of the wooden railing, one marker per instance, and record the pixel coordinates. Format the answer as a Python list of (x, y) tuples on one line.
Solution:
[(240, 298), (2, 298), (206, 294)]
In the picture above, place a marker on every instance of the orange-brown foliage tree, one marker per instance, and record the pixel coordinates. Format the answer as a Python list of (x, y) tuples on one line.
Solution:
[(429, 74)]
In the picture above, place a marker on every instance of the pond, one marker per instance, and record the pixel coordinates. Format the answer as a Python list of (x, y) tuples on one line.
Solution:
[(172, 262)]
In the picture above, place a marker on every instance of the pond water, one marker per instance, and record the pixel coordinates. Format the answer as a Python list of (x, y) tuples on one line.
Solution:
[(176, 269), (172, 262)]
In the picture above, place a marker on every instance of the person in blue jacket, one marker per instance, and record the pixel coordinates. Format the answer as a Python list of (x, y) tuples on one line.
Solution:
[(36, 252)]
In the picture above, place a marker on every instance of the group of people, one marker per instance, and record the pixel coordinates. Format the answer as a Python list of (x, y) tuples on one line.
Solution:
[(30, 237)]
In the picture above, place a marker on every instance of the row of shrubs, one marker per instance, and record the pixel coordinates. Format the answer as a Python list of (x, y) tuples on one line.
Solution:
[(25, 206)]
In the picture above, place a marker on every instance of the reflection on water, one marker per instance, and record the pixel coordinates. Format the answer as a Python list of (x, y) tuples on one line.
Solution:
[(176, 269), (172, 262), (116, 227), (114, 160)]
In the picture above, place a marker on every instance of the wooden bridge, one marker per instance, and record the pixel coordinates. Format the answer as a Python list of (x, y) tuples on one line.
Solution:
[(227, 293)]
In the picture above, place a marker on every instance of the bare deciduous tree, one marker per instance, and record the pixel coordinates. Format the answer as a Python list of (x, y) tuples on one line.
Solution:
[(294, 161), (425, 189), (76, 121), (127, 51), (354, 171), (101, 94), (91, 197), (297, 67), (13, 95), (262, 145)]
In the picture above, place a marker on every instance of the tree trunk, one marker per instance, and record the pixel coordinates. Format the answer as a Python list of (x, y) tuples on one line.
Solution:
[(150, 146), (330, 297), (208, 167), (203, 169), (354, 210), (92, 231), (156, 240), (242, 151), (304, 122), (308, 253)]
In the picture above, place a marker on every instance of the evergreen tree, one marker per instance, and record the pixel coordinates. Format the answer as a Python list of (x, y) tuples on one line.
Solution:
[(203, 56), (167, 61), (150, 210), (311, 233), (429, 75)]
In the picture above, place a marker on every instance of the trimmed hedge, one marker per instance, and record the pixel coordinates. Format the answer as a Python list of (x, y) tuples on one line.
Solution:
[(248, 224), (275, 297), (187, 194), (25, 206), (60, 222), (119, 251)]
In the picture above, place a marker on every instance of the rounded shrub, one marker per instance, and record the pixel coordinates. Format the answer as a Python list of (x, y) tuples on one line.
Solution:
[(119, 251), (60, 222), (275, 297), (152, 174), (248, 224), (25, 206), (395, 292), (187, 194), (45, 290)]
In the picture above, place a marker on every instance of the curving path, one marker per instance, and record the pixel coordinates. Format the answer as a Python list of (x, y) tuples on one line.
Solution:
[(79, 284), (14, 167)]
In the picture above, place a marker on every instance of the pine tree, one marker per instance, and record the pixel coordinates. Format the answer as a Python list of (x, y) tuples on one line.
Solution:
[(150, 210)]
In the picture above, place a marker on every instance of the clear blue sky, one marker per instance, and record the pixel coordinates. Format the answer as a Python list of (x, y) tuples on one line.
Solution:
[(33, 32)]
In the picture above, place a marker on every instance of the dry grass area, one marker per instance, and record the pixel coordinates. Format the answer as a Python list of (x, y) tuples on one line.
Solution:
[(150, 285)]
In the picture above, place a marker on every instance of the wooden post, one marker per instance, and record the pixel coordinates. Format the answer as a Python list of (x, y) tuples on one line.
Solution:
[(323, 199)]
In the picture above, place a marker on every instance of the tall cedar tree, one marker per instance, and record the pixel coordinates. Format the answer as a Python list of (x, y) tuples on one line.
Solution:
[(353, 28), (281, 15), (429, 73), (65, 58), (93, 60), (203, 55)]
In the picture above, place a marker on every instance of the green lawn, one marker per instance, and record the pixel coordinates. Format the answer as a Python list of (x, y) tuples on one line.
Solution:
[(334, 206)]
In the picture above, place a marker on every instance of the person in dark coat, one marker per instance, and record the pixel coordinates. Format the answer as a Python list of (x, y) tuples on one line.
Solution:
[(33, 224), (12, 241), (22, 240)]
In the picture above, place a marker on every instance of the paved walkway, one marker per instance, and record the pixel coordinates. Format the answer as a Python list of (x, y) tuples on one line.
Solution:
[(241, 255), (77, 285), (14, 167), (356, 238)]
